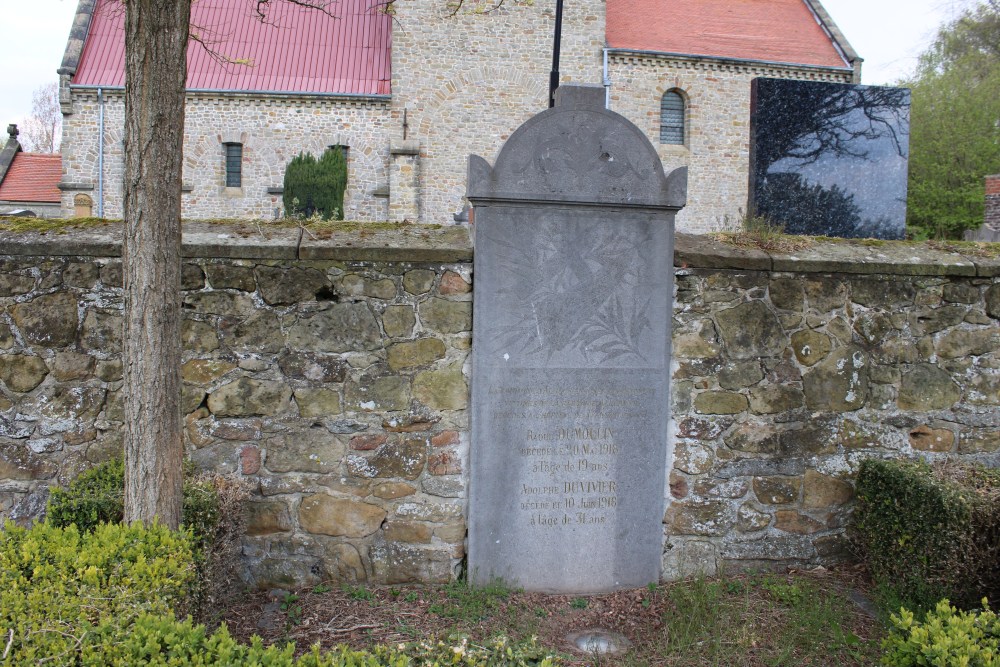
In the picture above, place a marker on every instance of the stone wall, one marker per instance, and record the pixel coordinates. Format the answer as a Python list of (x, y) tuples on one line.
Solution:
[(992, 218), (331, 372), (716, 150)]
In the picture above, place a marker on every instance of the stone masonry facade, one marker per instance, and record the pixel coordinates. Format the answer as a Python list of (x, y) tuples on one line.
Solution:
[(330, 371), (716, 147), (462, 83), (992, 220)]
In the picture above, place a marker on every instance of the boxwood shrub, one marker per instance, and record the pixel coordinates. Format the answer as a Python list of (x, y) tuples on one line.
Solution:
[(946, 636), (929, 533)]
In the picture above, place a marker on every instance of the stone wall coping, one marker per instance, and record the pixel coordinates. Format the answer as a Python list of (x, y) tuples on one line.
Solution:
[(390, 242), (854, 256), (248, 240)]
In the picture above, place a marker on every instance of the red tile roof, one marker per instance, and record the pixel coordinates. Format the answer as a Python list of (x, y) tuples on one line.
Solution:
[(297, 50), (32, 177), (784, 31)]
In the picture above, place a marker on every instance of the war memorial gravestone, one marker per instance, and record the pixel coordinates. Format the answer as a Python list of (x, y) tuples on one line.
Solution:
[(571, 352)]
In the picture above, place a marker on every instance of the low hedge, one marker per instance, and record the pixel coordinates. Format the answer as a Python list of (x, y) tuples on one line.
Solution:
[(944, 638), (67, 594), (929, 533)]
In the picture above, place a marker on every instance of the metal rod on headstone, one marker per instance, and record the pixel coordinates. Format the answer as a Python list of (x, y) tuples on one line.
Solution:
[(554, 76)]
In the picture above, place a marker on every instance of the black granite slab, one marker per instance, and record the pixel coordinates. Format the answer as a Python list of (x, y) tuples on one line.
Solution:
[(830, 159)]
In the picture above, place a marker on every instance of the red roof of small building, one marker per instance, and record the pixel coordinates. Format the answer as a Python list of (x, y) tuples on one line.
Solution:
[(294, 50), (784, 31), (32, 177)]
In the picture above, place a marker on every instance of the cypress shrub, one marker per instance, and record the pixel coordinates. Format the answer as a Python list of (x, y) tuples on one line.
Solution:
[(928, 533), (316, 187)]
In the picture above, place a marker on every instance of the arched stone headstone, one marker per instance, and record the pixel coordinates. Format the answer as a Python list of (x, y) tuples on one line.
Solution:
[(571, 352)]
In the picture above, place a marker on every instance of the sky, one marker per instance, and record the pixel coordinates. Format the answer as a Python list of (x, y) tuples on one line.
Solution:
[(888, 34)]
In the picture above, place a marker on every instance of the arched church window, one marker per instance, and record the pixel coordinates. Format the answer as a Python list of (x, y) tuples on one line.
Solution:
[(672, 118)]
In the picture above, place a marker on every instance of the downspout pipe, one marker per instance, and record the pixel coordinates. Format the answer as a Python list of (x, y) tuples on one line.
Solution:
[(556, 44), (606, 81), (100, 153)]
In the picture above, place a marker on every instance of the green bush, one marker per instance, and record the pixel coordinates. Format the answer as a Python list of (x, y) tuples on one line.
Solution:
[(64, 592), (928, 533), (945, 637), (98, 496), (316, 187)]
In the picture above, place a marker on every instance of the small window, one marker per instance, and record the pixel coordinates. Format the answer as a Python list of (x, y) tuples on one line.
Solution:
[(234, 165), (672, 118)]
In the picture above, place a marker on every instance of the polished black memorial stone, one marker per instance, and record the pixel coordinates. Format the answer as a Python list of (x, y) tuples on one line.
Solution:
[(829, 159)]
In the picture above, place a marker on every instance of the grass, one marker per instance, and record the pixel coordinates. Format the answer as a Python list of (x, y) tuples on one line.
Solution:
[(745, 620)]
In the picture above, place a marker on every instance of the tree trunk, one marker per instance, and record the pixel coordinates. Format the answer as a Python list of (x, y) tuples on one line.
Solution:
[(156, 38)]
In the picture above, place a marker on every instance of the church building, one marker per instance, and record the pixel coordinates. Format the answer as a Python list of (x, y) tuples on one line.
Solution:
[(411, 88)]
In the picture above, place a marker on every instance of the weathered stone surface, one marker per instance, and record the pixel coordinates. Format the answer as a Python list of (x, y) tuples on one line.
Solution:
[(979, 441), (740, 374), (772, 399), (453, 283), (750, 518), (318, 402), (444, 462), (6, 337), (393, 490), (839, 383), (398, 321), (785, 466), (205, 371), (199, 337), (250, 459), (63, 404), (368, 441), (391, 392), (727, 488), (324, 515), (18, 462), (755, 438), (932, 320), (393, 459), (720, 403), (960, 293), (415, 353), (963, 342), (380, 289), (67, 366), (192, 396), (49, 320), (22, 372), (311, 450), (445, 438), (13, 284), (775, 547), (192, 277), (791, 521), (692, 458), (284, 286), (446, 316), (822, 491), (441, 390), (777, 490), (418, 281), (407, 531), (927, 387), (395, 563), (810, 347), (993, 301), (699, 517), (928, 439), (826, 294), (429, 511), (247, 397), (444, 487), (81, 274), (689, 558), (261, 332), (344, 327), (315, 367), (750, 331), (888, 294), (813, 438), (226, 304), (111, 274), (228, 276), (267, 517), (787, 294), (101, 331), (697, 340), (342, 562), (703, 428)]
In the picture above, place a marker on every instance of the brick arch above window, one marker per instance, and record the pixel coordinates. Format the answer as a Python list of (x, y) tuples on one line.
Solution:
[(673, 117)]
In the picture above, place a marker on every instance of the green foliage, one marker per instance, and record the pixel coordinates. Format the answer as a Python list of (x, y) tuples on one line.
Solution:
[(926, 533), (954, 135), (67, 594), (945, 637), (97, 496), (316, 187), (469, 603), (498, 652)]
